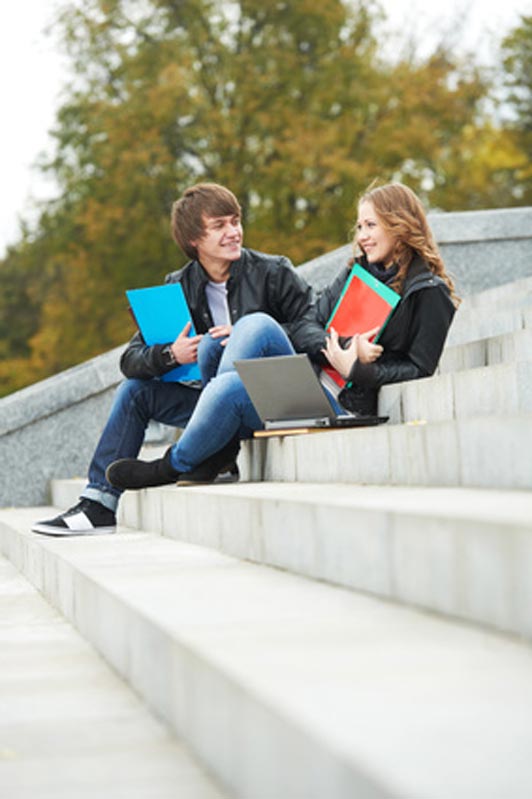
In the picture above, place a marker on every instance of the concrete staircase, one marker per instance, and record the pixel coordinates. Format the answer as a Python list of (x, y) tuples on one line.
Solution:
[(354, 618), (69, 727)]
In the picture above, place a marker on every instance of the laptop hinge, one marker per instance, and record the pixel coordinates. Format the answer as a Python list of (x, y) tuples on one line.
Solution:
[(282, 424)]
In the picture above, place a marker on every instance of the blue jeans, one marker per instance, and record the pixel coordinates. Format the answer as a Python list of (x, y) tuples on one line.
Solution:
[(210, 352), (224, 409), (135, 403)]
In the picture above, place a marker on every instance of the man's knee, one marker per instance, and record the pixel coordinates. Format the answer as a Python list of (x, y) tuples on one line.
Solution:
[(225, 385), (129, 389), (137, 393), (256, 323)]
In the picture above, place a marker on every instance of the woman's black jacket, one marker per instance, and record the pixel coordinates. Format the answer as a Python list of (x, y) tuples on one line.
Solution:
[(412, 340), (257, 282)]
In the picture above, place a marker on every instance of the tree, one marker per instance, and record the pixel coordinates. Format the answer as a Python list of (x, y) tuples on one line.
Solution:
[(517, 63), (291, 104)]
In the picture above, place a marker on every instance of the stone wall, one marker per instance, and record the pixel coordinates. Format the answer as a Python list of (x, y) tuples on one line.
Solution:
[(50, 428), (481, 249)]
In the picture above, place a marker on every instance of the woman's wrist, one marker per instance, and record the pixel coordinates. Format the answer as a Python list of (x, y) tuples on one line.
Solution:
[(346, 366), (350, 377)]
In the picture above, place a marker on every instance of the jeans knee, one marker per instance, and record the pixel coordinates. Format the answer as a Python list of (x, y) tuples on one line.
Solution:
[(255, 323), (133, 393), (226, 385), (128, 390)]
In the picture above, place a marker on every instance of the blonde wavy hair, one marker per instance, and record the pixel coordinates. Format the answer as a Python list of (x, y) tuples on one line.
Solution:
[(401, 213)]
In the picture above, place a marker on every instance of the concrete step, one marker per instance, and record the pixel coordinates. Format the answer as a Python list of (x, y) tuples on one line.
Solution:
[(465, 553), (291, 688), (486, 322), (484, 452), (499, 389), (69, 726), (514, 294), (508, 348)]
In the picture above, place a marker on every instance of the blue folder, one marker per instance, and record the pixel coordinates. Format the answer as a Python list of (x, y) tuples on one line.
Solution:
[(161, 313)]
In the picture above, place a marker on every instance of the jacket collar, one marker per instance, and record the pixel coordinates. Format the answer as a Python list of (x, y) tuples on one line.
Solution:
[(419, 276), (201, 276)]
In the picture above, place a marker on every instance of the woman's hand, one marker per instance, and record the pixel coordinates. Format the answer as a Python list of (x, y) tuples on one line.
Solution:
[(367, 351), (341, 359)]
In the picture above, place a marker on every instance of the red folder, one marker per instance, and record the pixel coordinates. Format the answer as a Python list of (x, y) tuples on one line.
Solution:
[(364, 303)]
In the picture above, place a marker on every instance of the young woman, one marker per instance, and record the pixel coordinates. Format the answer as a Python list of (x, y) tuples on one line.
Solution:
[(395, 244)]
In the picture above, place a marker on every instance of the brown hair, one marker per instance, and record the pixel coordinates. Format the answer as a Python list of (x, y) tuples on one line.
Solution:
[(204, 199), (401, 213)]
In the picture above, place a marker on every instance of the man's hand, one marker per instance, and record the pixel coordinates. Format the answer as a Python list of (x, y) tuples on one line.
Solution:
[(221, 331), (342, 360), (185, 347)]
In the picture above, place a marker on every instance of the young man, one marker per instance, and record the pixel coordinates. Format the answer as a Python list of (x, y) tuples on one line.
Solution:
[(222, 283)]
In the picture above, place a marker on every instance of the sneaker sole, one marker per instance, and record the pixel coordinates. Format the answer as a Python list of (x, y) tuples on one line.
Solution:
[(221, 479), (65, 532), (184, 483), (227, 477)]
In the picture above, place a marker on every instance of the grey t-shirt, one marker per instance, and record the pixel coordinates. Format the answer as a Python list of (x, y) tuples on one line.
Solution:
[(217, 298)]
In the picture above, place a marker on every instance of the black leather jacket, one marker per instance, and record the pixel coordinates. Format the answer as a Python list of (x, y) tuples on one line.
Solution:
[(257, 282), (412, 340)]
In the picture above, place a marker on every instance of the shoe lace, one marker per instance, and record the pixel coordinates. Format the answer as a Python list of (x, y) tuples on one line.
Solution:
[(82, 505)]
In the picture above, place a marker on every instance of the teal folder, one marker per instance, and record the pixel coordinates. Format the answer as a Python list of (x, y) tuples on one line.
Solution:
[(364, 303), (161, 313)]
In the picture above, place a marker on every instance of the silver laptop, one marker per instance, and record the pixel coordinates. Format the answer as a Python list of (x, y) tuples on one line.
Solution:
[(287, 393)]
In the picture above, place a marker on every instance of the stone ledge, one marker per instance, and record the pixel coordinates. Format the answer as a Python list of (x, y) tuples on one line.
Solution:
[(60, 392), (481, 249), (494, 224)]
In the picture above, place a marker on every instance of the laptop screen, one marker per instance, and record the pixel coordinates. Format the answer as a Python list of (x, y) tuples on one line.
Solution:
[(284, 388)]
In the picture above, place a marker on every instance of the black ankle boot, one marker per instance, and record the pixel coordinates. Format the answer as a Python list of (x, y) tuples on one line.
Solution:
[(131, 473), (211, 467)]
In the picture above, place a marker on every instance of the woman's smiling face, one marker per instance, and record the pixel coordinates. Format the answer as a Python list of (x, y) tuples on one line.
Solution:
[(377, 243)]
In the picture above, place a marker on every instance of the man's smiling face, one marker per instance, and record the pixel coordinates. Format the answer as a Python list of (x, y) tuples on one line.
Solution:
[(221, 242)]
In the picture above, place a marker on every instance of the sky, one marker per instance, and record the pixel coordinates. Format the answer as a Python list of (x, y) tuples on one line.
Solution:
[(33, 72)]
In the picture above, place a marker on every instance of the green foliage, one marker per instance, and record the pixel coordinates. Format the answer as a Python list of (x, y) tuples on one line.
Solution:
[(290, 104), (517, 51)]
